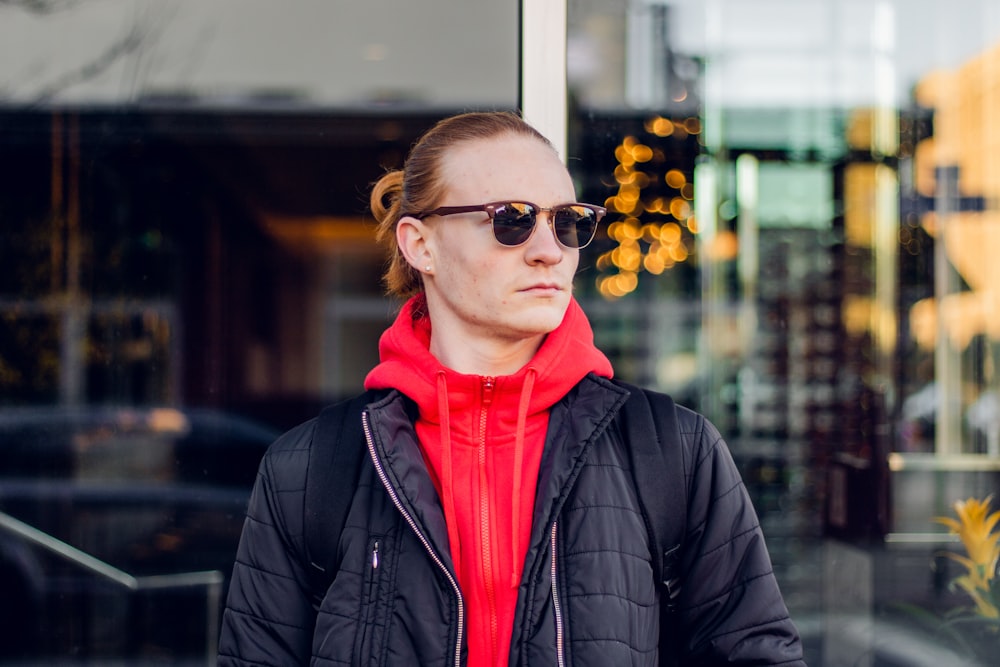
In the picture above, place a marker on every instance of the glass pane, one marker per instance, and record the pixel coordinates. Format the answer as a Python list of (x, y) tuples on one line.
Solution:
[(834, 312), (189, 270)]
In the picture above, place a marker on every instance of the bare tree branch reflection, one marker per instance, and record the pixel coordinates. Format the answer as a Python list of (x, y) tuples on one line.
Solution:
[(132, 48), (40, 6)]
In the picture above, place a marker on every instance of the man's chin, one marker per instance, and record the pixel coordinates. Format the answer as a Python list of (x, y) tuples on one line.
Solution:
[(544, 319)]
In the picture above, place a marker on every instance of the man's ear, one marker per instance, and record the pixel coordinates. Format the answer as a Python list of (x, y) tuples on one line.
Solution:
[(413, 239)]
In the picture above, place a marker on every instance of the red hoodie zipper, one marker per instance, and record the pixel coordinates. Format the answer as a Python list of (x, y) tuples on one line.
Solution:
[(488, 384)]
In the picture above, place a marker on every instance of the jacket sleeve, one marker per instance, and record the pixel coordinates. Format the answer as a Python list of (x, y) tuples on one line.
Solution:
[(730, 609), (269, 617)]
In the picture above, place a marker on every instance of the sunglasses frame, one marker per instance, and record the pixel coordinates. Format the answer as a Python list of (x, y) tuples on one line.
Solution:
[(492, 207)]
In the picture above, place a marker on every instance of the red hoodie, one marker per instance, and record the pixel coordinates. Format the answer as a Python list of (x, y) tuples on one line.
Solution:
[(482, 438)]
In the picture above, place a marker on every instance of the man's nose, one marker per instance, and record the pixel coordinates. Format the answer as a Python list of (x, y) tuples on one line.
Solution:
[(543, 245)]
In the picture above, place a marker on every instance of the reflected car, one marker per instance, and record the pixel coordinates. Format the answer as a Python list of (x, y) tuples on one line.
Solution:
[(144, 491)]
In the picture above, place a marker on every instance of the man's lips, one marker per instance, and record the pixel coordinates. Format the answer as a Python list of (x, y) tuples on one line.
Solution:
[(543, 287)]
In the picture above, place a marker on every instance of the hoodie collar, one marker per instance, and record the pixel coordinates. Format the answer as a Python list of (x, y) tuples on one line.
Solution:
[(566, 355)]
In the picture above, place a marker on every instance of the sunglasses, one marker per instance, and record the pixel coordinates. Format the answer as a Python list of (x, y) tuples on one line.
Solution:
[(573, 225)]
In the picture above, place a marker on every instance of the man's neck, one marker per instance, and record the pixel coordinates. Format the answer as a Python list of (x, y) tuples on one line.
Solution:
[(478, 356)]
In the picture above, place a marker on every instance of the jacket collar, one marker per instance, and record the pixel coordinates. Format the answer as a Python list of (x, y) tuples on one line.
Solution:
[(576, 423)]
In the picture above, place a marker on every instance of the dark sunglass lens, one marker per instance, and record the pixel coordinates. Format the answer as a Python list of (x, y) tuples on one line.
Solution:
[(575, 225), (513, 223)]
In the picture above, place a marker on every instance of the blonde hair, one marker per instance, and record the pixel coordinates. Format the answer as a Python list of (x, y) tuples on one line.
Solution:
[(418, 186)]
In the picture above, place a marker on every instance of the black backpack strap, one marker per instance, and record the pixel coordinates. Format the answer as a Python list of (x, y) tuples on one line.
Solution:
[(649, 424), (336, 452)]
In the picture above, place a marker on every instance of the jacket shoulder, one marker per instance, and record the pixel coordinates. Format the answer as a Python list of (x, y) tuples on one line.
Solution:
[(286, 460), (296, 438), (695, 429), (700, 437), (689, 421)]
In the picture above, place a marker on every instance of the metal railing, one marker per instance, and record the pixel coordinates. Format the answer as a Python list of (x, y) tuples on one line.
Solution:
[(211, 580)]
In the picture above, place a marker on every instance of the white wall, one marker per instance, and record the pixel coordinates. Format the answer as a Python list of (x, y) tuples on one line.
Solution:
[(440, 53)]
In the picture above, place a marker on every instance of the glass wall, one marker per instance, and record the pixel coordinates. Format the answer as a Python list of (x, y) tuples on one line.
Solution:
[(802, 206), (827, 302), (188, 270)]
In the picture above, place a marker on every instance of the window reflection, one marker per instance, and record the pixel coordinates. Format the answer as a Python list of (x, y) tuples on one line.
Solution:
[(834, 315), (188, 270)]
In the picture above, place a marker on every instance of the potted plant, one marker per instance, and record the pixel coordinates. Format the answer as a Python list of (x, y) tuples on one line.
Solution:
[(975, 628)]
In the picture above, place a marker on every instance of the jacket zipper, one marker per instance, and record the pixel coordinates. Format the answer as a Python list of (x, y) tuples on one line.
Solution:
[(380, 470), (369, 600), (488, 384), (557, 605), (374, 572)]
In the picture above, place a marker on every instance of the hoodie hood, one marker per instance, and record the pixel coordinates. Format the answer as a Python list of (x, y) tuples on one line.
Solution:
[(564, 358)]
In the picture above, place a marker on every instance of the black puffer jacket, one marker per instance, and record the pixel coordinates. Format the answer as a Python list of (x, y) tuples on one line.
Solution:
[(587, 597)]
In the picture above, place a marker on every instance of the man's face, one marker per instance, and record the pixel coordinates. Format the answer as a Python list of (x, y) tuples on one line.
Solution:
[(484, 290)]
